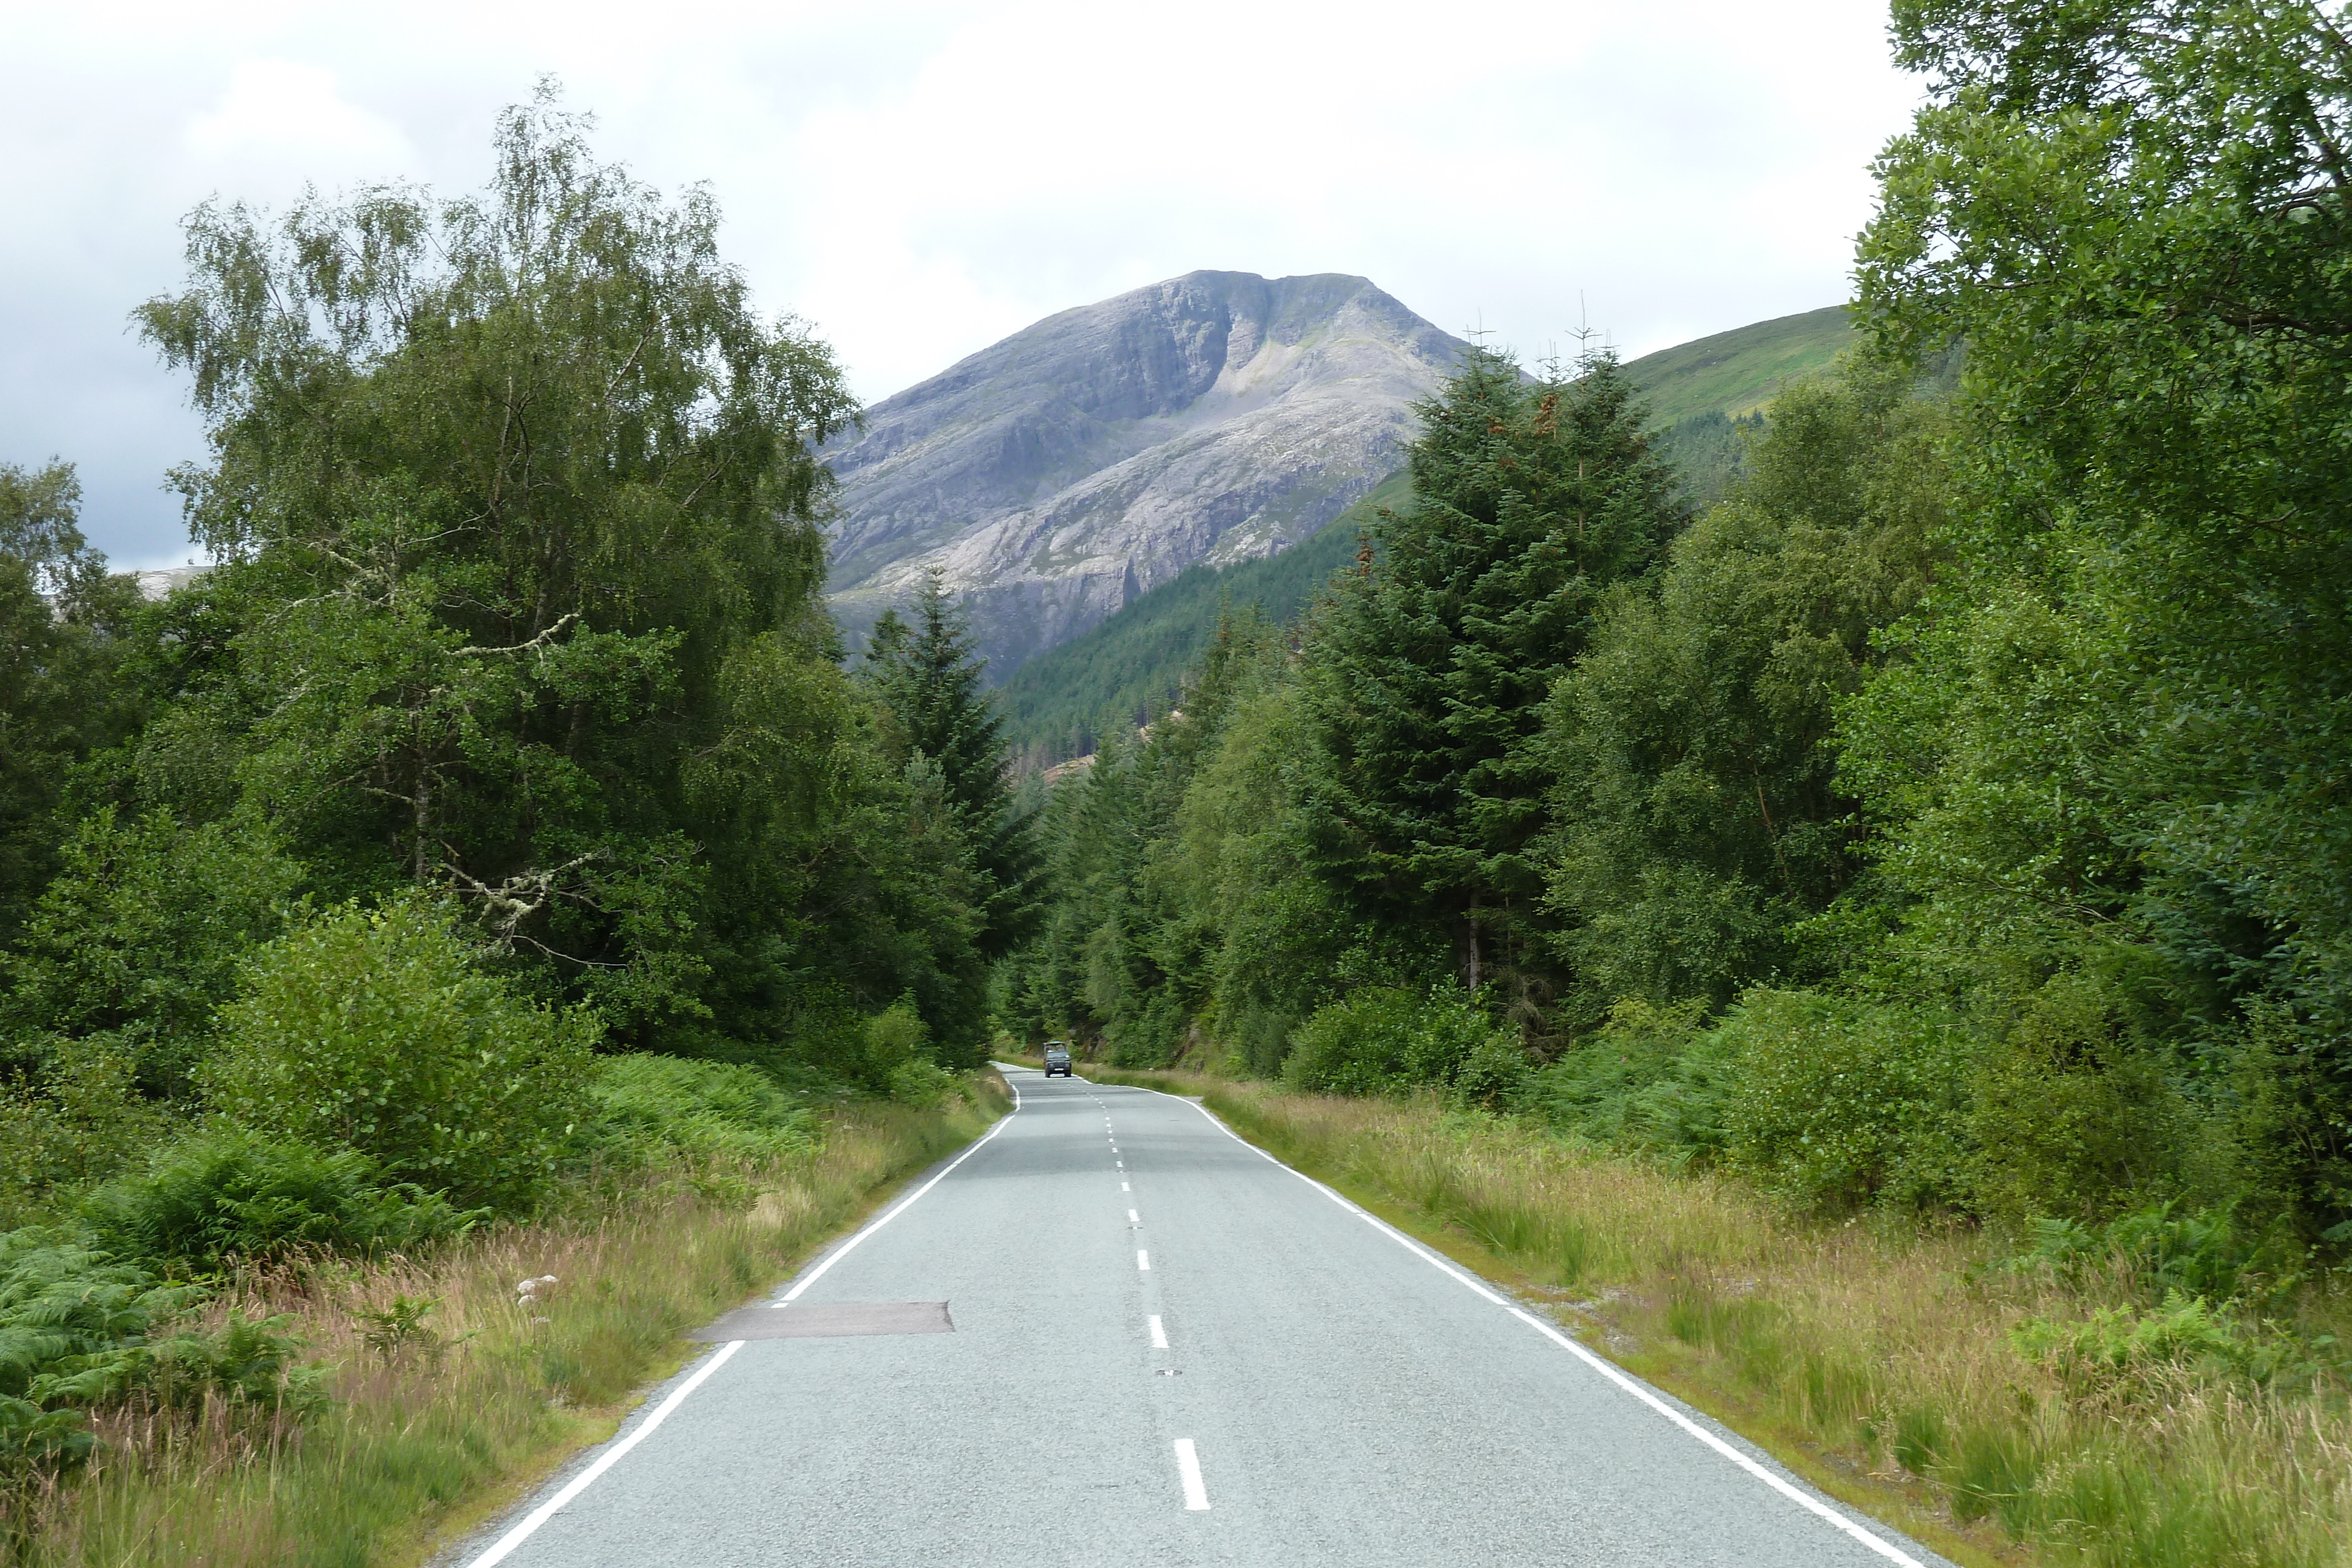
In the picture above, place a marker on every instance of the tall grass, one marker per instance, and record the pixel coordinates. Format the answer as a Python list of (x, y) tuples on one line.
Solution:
[(1886, 1358), (439, 1416)]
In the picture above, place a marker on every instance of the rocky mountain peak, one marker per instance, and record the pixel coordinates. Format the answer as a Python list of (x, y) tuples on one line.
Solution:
[(1056, 475)]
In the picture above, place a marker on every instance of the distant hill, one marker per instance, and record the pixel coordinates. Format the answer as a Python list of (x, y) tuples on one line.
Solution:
[(1704, 397), (1125, 670), (1738, 371), (1057, 475)]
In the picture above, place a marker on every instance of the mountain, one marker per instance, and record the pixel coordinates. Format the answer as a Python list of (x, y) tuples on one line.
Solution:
[(1069, 469), (1706, 395), (1738, 372), (1125, 670), (1702, 395)]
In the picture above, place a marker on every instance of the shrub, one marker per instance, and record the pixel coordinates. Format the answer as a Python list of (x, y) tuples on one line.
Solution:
[(73, 1327), (61, 1301), (2069, 1117), (80, 1120), (1355, 1045), (893, 1037), (141, 934), (2207, 1253), (921, 1083), (1493, 1074), (231, 1193), (378, 1032), (897, 1059), (815, 1054), (1385, 1041), (1837, 1103), (2118, 1344), (1650, 1079), (34, 1438), (247, 1362), (700, 1108)]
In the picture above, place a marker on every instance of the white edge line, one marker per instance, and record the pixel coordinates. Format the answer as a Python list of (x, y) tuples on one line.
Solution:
[(606, 1460), (612, 1456), (1188, 1470), (838, 1253), (1777, 1483), (1599, 1363)]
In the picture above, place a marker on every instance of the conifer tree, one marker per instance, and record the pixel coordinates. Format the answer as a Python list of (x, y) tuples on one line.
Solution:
[(929, 678), (1432, 663)]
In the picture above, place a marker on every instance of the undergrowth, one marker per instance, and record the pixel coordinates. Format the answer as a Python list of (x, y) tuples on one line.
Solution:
[(430, 1377), (2138, 1395)]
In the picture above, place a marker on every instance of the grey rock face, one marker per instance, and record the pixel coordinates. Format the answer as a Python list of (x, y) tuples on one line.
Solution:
[(1078, 463)]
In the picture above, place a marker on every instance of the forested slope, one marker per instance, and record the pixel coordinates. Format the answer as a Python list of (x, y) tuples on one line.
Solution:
[(1129, 669), (1705, 399), (1948, 822), (493, 836)]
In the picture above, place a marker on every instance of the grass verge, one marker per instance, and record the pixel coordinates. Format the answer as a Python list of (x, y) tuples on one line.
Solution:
[(436, 1422), (2000, 1415)]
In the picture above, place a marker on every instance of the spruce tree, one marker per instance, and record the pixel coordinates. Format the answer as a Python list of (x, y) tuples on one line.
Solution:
[(1430, 663), (928, 676)]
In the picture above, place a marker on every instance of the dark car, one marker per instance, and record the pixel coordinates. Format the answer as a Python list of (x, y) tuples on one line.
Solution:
[(1057, 1058)]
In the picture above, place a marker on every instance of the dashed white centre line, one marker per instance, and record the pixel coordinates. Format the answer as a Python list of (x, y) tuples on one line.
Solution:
[(1609, 1370), (1123, 1188), (1133, 1218), (1158, 1332), (1188, 1470), (1142, 1262)]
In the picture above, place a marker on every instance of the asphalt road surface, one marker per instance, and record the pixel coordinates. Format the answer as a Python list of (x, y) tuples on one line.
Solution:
[(1166, 1349)]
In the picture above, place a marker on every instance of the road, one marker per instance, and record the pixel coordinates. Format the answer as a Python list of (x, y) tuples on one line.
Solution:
[(1167, 1349)]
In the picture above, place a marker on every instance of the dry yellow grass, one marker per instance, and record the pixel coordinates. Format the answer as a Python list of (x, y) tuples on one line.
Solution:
[(426, 1436), (1880, 1357)]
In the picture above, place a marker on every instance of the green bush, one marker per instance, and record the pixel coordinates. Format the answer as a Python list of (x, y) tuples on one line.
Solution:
[(1836, 1103), (2161, 1250), (140, 937), (377, 1031), (1385, 1041), (246, 1362), (1357, 1045), (61, 1299), (921, 1083), (645, 1103), (898, 1061), (2117, 1346), (1493, 1074), (1651, 1079), (2071, 1117), (74, 1325), (892, 1038), (231, 1193), (80, 1119)]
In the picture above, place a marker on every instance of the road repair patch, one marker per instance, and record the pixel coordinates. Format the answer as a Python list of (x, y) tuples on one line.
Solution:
[(814, 1320)]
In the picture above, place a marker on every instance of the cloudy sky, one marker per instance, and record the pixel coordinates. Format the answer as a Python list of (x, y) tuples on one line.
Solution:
[(919, 180)]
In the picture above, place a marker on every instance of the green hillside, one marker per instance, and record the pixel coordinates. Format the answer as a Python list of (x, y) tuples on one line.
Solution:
[(1127, 668), (1703, 396), (1737, 372), (1706, 395)]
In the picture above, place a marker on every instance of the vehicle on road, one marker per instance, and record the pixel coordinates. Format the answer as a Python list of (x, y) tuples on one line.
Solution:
[(1057, 1058)]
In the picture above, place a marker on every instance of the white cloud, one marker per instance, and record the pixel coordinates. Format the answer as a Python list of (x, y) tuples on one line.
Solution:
[(282, 109), (920, 179)]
